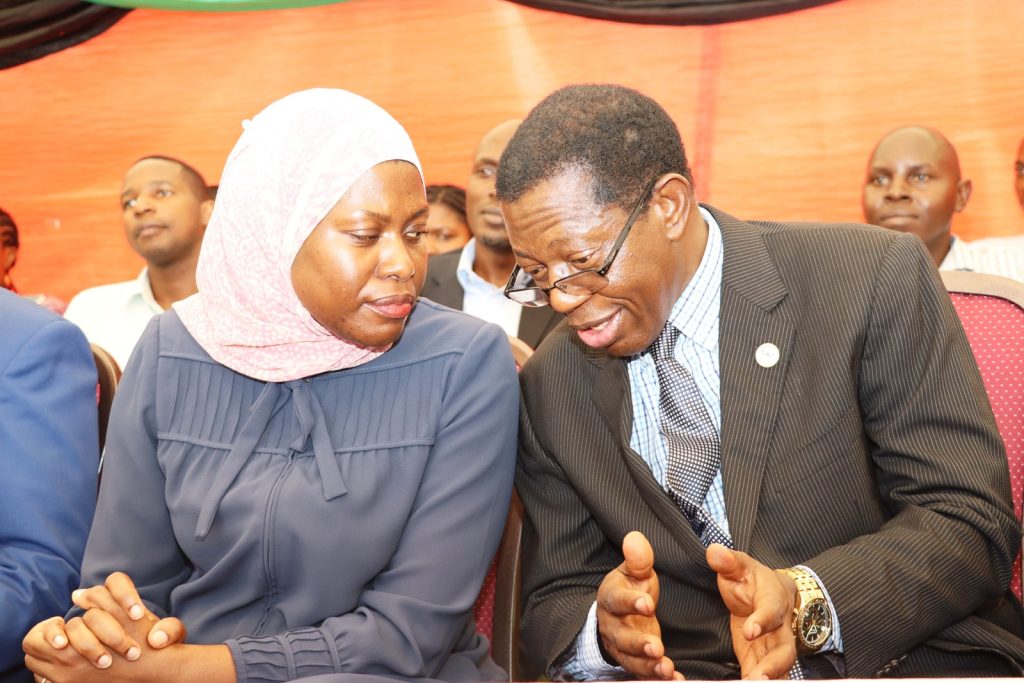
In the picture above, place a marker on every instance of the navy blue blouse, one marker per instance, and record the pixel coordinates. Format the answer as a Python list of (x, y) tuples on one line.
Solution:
[(341, 523)]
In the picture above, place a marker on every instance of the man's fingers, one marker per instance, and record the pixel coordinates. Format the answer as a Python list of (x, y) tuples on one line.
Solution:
[(85, 643), (728, 564), (775, 663), (767, 617), (166, 632), (623, 602), (639, 556), (122, 588), (646, 668), (110, 633)]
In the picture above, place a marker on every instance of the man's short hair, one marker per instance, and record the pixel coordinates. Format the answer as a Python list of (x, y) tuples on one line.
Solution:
[(10, 237), (620, 137), (193, 177)]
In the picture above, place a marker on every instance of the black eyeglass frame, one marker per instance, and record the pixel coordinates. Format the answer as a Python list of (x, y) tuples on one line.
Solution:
[(601, 271)]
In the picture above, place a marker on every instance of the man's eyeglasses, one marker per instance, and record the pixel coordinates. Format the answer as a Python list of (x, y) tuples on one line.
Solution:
[(523, 290)]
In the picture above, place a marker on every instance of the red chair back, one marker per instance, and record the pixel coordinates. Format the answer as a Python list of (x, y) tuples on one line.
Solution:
[(108, 375), (497, 608), (991, 310)]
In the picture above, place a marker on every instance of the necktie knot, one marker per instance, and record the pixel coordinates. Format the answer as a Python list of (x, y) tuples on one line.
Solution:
[(664, 346)]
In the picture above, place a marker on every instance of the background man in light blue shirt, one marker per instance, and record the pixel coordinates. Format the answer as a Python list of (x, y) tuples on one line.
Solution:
[(471, 279)]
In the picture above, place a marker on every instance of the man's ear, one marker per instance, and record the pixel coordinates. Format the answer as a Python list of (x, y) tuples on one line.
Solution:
[(206, 210), (963, 193), (673, 199), (8, 255)]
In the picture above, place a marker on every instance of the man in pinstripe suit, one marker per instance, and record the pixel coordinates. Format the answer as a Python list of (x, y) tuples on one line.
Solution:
[(862, 485)]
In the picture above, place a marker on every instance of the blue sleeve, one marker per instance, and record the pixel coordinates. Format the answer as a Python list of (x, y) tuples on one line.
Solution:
[(49, 449), (414, 612), (132, 531)]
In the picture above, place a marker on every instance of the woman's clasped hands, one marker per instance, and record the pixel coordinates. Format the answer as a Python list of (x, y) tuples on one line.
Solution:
[(117, 638)]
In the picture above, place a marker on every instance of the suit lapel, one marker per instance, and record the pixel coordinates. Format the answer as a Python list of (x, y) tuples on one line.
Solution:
[(441, 273), (685, 554), (750, 392), (535, 323)]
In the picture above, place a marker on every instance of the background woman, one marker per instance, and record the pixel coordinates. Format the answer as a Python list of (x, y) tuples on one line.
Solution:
[(305, 466), (9, 246), (447, 229)]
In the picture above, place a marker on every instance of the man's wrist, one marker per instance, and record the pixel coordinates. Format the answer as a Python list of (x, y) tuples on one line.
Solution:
[(812, 614), (789, 585)]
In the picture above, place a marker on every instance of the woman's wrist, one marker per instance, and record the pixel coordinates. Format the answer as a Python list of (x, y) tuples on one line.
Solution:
[(208, 663)]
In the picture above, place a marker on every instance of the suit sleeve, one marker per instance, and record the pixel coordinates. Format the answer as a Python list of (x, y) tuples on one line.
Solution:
[(565, 556), (132, 531), (414, 612), (49, 448), (941, 470)]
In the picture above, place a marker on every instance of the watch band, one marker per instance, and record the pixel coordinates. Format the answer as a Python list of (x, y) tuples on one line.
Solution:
[(812, 615)]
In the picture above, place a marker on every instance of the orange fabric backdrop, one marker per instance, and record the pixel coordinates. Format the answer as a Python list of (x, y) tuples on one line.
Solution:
[(778, 114)]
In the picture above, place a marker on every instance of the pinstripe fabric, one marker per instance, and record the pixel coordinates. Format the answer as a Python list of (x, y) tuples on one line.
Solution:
[(868, 454)]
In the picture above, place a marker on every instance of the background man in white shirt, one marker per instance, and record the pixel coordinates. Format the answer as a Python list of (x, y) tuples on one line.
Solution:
[(165, 208), (914, 185)]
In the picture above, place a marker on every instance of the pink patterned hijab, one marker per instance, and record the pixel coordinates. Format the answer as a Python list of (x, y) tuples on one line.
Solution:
[(291, 165)]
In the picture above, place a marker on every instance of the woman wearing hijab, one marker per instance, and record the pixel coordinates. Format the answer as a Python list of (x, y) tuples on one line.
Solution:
[(305, 466)]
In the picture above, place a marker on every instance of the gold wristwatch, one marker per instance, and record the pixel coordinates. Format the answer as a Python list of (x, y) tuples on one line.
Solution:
[(812, 616)]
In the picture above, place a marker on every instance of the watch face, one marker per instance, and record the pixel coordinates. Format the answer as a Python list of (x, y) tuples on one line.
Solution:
[(815, 624)]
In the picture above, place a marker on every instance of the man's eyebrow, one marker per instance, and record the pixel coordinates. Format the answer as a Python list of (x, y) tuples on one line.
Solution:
[(556, 244), (150, 184)]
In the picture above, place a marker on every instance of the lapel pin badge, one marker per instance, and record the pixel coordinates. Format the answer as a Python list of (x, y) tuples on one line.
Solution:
[(767, 355)]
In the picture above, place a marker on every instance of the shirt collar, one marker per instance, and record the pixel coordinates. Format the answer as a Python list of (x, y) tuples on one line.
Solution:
[(467, 277), (695, 313), (146, 291)]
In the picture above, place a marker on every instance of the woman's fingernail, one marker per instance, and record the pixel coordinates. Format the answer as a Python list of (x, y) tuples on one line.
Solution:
[(59, 640), (158, 638), (104, 662), (77, 594), (135, 612), (133, 653)]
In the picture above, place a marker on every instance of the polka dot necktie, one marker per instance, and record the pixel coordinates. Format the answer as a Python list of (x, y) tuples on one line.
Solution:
[(693, 444), (694, 455)]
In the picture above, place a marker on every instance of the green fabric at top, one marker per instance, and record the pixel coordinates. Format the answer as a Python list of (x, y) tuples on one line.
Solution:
[(214, 5)]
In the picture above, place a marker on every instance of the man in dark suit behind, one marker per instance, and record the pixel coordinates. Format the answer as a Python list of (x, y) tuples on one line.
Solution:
[(471, 279), (855, 505)]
